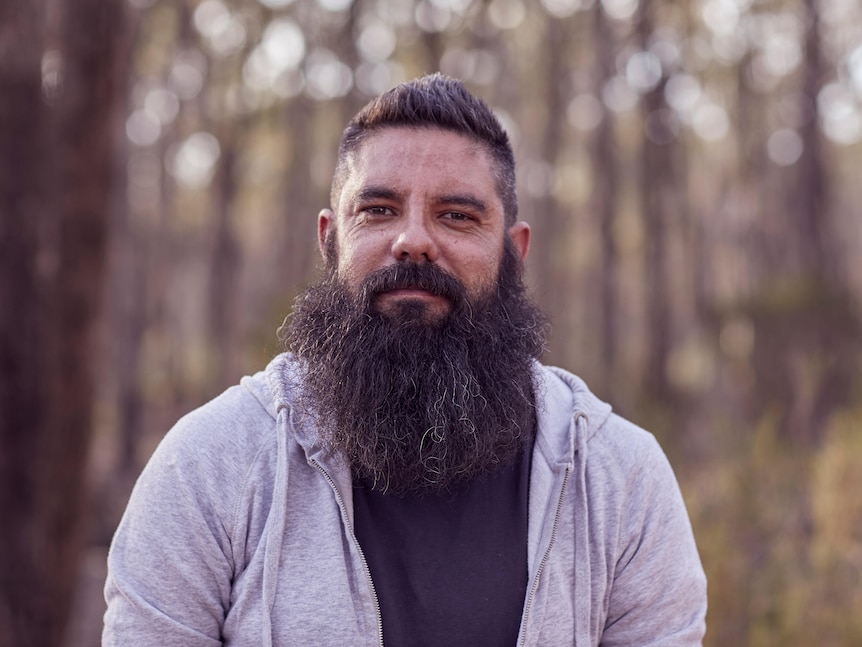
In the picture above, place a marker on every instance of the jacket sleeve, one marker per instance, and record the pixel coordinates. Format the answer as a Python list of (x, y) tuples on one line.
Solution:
[(170, 564), (658, 595)]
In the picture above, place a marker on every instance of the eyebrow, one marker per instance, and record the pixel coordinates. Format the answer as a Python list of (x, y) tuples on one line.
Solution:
[(467, 200), (464, 200), (374, 192)]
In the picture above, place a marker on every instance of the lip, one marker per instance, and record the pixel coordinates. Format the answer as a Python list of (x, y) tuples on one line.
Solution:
[(408, 292), (392, 301)]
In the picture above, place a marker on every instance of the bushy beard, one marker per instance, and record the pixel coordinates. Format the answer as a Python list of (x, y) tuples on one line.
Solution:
[(414, 404)]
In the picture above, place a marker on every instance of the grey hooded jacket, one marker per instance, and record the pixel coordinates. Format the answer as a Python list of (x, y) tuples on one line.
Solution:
[(240, 532)]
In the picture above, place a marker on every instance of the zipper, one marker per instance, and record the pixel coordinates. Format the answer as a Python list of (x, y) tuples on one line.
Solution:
[(545, 557), (364, 562)]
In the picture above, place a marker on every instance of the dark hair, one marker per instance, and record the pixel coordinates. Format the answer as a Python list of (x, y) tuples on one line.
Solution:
[(434, 101)]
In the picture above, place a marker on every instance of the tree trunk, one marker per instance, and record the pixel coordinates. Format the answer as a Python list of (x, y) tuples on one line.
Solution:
[(605, 187), (23, 302), (296, 237), (55, 196), (550, 227), (810, 200), (225, 264), (656, 191)]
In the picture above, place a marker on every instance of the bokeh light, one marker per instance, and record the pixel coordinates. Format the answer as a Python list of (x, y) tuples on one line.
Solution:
[(506, 14), (682, 92), (618, 95), (276, 4), (643, 71), (143, 128), (377, 41), (620, 9), (565, 8), (585, 112), (326, 77), (192, 162), (839, 114), (784, 147), (188, 74), (710, 121)]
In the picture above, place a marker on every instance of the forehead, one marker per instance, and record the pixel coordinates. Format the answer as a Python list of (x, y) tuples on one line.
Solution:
[(420, 159)]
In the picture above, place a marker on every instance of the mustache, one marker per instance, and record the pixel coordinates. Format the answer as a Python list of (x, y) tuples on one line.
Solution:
[(413, 275)]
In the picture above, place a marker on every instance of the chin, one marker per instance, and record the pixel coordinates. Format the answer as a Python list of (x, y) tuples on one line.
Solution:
[(414, 312)]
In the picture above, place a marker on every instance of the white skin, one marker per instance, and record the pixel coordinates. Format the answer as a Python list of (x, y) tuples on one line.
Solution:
[(423, 194)]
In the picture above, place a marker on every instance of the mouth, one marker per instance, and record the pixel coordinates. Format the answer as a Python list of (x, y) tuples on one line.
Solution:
[(407, 292), (412, 293), (414, 302), (412, 288)]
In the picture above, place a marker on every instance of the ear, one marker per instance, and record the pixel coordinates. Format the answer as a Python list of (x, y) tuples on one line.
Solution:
[(325, 227), (519, 233)]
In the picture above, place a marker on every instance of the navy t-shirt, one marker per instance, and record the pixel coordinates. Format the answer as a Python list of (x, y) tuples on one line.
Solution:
[(449, 569)]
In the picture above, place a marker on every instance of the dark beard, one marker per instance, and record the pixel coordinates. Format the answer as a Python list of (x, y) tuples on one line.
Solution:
[(416, 405)]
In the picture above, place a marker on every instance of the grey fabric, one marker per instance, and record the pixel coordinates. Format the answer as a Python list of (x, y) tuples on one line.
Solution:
[(240, 532)]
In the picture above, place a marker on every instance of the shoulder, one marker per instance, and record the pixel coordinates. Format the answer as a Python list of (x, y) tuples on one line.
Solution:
[(632, 449), (657, 588), (614, 448), (227, 428), (211, 454), (181, 541)]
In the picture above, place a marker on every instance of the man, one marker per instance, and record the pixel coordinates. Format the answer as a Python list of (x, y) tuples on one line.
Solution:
[(407, 472)]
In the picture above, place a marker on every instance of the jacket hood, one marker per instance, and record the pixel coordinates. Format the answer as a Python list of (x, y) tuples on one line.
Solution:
[(561, 399), (283, 377)]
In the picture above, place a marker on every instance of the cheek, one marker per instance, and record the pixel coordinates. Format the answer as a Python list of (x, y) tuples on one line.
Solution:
[(347, 270), (480, 273), (355, 262)]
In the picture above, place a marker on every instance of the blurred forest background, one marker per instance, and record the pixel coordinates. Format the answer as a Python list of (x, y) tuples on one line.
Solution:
[(691, 170)]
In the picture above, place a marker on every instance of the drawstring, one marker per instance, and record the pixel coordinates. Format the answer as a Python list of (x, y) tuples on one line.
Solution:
[(275, 525), (583, 575)]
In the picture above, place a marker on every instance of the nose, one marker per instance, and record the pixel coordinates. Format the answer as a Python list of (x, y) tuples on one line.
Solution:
[(414, 241)]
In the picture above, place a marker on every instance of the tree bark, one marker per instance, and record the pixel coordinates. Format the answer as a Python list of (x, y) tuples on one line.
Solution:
[(605, 188), (225, 265), (810, 203), (549, 223), (657, 196), (55, 196), (23, 301)]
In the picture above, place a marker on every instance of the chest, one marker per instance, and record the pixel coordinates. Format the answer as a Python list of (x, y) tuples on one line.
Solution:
[(449, 568)]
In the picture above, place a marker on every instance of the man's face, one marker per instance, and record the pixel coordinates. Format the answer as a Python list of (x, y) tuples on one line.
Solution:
[(421, 195)]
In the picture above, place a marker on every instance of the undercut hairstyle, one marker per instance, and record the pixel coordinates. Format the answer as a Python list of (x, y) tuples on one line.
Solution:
[(433, 102)]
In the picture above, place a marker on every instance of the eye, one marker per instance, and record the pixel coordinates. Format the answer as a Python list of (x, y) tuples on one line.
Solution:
[(457, 216), (376, 211)]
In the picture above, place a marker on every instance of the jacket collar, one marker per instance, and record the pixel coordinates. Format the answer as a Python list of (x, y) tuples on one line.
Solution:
[(562, 397)]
